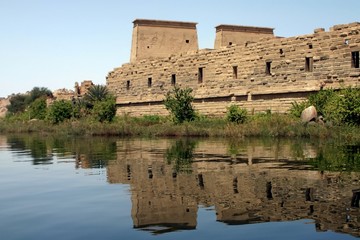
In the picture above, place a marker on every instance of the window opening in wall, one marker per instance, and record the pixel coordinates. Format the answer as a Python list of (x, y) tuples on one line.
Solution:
[(187, 41), (149, 82), (347, 41), (200, 75), (355, 59), (230, 43), (148, 46), (309, 64), (127, 84), (310, 46), (281, 51), (235, 72), (268, 68), (173, 79)]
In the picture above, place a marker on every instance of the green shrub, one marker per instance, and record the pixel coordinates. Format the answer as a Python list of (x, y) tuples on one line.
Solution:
[(320, 99), (179, 103), (297, 108), (38, 109), (17, 103), (148, 120), (152, 118), (349, 106), (338, 107), (104, 111), (236, 114), (59, 111), (331, 110), (80, 108)]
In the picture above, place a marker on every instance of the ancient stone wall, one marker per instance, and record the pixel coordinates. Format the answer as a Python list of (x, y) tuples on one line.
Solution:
[(228, 35), (154, 38), (82, 89), (4, 102), (265, 75)]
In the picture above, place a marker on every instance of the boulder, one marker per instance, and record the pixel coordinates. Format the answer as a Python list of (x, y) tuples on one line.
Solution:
[(309, 114)]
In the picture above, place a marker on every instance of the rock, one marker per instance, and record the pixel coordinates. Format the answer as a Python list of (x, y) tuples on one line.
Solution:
[(308, 114)]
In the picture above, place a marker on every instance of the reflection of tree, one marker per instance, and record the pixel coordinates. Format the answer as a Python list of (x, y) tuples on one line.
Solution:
[(181, 155), (94, 152), (36, 146), (338, 158), (39, 151), (88, 153)]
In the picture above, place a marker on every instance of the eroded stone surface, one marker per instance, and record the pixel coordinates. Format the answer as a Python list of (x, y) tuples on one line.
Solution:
[(308, 114)]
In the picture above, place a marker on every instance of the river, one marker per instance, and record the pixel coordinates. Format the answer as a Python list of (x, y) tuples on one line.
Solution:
[(116, 188)]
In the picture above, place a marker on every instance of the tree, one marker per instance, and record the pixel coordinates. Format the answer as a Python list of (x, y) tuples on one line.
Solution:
[(17, 103), (38, 108), (38, 92), (104, 111), (59, 111), (179, 103), (20, 102), (96, 93)]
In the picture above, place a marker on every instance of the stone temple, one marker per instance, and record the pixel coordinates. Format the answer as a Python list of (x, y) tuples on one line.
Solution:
[(249, 67)]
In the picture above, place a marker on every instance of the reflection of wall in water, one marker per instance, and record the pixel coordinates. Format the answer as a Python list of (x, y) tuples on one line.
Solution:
[(241, 193), (156, 197), (3, 141)]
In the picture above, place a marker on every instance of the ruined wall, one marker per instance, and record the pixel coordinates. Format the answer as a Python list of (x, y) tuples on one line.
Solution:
[(228, 35), (268, 74), (82, 89), (154, 38), (4, 102)]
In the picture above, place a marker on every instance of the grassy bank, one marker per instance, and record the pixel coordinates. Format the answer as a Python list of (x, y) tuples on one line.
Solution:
[(261, 125)]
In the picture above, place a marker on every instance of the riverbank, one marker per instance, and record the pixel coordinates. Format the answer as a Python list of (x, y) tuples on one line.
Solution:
[(261, 125)]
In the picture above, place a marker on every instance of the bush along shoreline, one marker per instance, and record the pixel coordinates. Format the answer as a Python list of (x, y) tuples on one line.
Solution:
[(94, 115)]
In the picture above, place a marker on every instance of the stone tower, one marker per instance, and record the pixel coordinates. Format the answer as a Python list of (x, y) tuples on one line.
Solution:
[(157, 39), (227, 35)]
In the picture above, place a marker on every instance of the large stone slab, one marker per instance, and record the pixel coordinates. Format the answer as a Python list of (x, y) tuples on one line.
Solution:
[(309, 114)]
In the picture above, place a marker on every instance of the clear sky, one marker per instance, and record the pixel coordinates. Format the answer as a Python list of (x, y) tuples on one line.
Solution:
[(55, 43)]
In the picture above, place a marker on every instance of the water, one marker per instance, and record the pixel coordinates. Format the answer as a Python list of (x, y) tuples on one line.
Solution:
[(100, 188)]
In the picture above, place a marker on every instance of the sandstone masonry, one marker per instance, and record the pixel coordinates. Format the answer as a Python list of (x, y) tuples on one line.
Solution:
[(257, 71)]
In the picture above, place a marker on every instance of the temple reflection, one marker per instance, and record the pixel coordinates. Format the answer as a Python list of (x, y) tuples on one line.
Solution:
[(253, 183)]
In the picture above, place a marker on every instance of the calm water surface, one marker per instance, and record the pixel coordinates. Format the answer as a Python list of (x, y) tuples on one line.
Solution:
[(177, 189)]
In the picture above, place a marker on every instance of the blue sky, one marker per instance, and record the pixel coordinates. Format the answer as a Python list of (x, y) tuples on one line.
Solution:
[(55, 43)]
